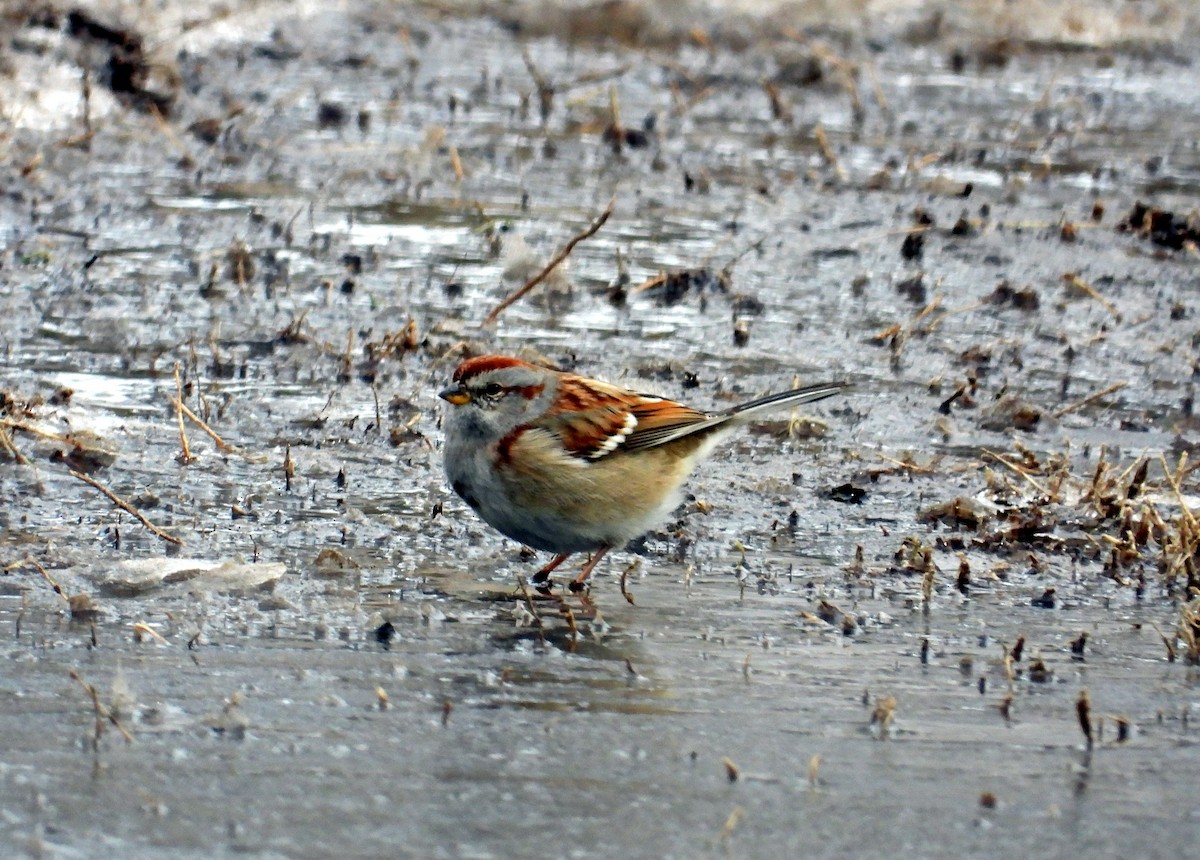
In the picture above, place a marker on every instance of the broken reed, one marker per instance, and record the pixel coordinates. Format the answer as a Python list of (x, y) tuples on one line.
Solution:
[(1136, 519), (1122, 514)]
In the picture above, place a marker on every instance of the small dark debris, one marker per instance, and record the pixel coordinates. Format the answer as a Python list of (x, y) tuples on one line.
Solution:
[(747, 304), (847, 494), (1161, 227), (636, 139), (800, 71), (913, 288), (1025, 299), (384, 633), (833, 615), (82, 25), (618, 294), (1138, 479), (1124, 728), (1017, 649), (332, 115), (617, 136), (1046, 601), (207, 130), (832, 253), (960, 392), (1039, 673), (1083, 711), (82, 608), (963, 581), (700, 280), (958, 512), (128, 72), (913, 246), (278, 50), (239, 263), (1077, 646), (1011, 413)]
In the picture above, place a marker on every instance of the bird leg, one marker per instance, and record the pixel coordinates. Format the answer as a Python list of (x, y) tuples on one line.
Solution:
[(544, 574), (579, 583)]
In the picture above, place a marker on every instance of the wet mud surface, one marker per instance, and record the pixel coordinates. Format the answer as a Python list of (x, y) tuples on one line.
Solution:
[(953, 613)]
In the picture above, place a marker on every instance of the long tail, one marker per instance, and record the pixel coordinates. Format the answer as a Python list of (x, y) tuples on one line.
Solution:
[(795, 397), (740, 413)]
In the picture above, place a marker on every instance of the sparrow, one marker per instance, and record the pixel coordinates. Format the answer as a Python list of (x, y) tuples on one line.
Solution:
[(568, 464)]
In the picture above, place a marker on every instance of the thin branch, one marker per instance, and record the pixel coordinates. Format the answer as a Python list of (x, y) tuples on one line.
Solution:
[(625, 577), (552, 265), (7, 444), (1073, 280), (907, 465), (650, 283), (1174, 482), (31, 561), (102, 713), (537, 619), (1020, 470), (221, 443), (1079, 404), (125, 506), (185, 455), (45, 434)]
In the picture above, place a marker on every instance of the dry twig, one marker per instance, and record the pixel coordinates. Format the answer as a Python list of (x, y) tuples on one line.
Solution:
[(537, 619), (199, 422), (6, 444), (1019, 469), (102, 713), (125, 506), (33, 562), (1073, 280), (1091, 398), (185, 455), (552, 265), (625, 576)]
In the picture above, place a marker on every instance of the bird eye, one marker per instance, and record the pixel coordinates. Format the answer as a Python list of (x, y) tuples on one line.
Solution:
[(493, 389)]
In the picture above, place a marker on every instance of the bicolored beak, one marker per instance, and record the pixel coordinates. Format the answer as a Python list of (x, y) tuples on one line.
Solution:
[(456, 395)]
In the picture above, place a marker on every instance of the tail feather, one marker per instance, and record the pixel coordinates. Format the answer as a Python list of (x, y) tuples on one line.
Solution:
[(737, 415), (795, 397)]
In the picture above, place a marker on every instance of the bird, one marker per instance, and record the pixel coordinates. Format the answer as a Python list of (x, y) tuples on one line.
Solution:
[(568, 464)]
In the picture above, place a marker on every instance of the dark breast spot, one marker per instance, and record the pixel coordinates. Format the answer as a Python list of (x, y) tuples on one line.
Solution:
[(461, 488)]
